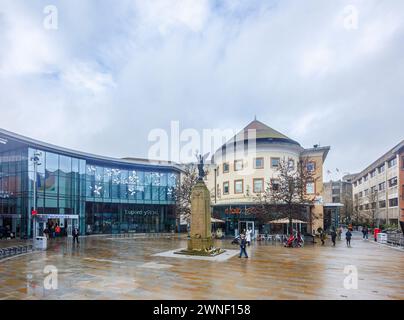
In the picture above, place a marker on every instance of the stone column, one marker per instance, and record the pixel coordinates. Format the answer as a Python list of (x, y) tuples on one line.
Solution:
[(201, 236)]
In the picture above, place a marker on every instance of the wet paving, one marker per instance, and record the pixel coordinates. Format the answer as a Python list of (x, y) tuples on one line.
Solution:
[(106, 268)]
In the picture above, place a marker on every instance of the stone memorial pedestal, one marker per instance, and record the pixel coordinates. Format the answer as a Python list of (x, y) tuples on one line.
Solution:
[(200, 242)]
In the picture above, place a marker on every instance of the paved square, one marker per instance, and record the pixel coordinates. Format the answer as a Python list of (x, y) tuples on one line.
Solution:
[(101, 268)]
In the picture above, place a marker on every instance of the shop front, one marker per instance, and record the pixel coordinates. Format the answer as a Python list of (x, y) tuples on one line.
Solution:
[(238, 218)]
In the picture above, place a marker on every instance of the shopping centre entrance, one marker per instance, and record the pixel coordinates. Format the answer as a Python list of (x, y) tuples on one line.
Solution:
[(64, 221)]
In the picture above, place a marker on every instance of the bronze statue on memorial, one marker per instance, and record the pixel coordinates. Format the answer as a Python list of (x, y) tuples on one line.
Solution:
[(201, 162)]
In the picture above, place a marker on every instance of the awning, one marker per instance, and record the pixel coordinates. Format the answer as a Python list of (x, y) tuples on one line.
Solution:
[(285, 221), (214, 220)]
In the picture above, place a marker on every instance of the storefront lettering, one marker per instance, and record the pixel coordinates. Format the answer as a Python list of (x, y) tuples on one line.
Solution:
[(251, 210), (141, 213)]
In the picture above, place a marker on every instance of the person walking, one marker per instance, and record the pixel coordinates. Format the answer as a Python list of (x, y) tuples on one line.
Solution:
[(333, 237), (339, 233), (322, 237), (75, 235), (348, 236), (57, 231), (365, 233), (248, 236), (243, 244)]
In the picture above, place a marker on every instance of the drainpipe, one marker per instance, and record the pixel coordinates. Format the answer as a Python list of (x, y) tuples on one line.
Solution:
[(215, 185)]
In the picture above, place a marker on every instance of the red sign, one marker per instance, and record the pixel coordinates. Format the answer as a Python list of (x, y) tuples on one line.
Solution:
[(34, 212)]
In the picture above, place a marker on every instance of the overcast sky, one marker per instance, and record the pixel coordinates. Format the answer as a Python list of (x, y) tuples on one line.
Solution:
[(112, 71)]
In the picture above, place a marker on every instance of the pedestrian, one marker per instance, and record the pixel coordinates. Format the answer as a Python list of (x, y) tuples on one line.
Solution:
[(339, 233), (75, 235), (322, 237), (45, 232), (53, 230), (243, 243), (348, 236), (365, 233), (333, 237), (248, 236), (57, 231)]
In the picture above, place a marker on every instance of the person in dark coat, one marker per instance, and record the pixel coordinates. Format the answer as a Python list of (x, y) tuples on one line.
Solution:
[(333, 237), (348, 236), (365, 233), (243, 244), (75, 235)]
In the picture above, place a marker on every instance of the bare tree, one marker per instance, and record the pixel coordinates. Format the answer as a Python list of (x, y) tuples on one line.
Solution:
[(348, 210), (287, 196), (182, 193), (356, 211), (371, 213)]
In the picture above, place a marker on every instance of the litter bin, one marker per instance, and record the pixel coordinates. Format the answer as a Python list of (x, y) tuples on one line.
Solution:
[(382, 237), (41, 243)]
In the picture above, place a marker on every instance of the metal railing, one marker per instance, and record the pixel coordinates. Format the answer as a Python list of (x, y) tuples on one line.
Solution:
[(395, 239), (144, 235), (15, 250)]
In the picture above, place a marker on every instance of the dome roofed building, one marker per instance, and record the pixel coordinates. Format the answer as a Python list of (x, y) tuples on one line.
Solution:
[(243, 166)]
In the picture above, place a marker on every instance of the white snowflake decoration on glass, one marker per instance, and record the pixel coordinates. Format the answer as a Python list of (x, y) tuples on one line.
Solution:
[(156, 178), (97, 189), (91, 169), (132, 190)]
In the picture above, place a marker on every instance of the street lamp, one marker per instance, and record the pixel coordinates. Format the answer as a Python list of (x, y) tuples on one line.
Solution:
[(35, 160)]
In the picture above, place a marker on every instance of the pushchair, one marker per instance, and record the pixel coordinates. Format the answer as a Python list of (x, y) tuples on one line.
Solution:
[(236, 240)]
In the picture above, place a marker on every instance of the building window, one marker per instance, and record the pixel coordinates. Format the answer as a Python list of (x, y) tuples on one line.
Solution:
[(361, 207), (381, 168), (226, 187), (355, 184), (382, 204), (360, 194), (218, 190), (373, 205), (225, 167), (366, 192), (259, 163), (392, 182), (367, 206), (238, 186), (393, 202), (360, 181), (373, 189), (382, 186), (365, 178), (310, 188), (311, 166), (392, 162), (275, 184), (258, 185), (238, 165), (275, 162), (291, 164), (373, 173)]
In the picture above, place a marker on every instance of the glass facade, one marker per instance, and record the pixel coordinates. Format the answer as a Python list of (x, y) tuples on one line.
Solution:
[(97, 195)]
